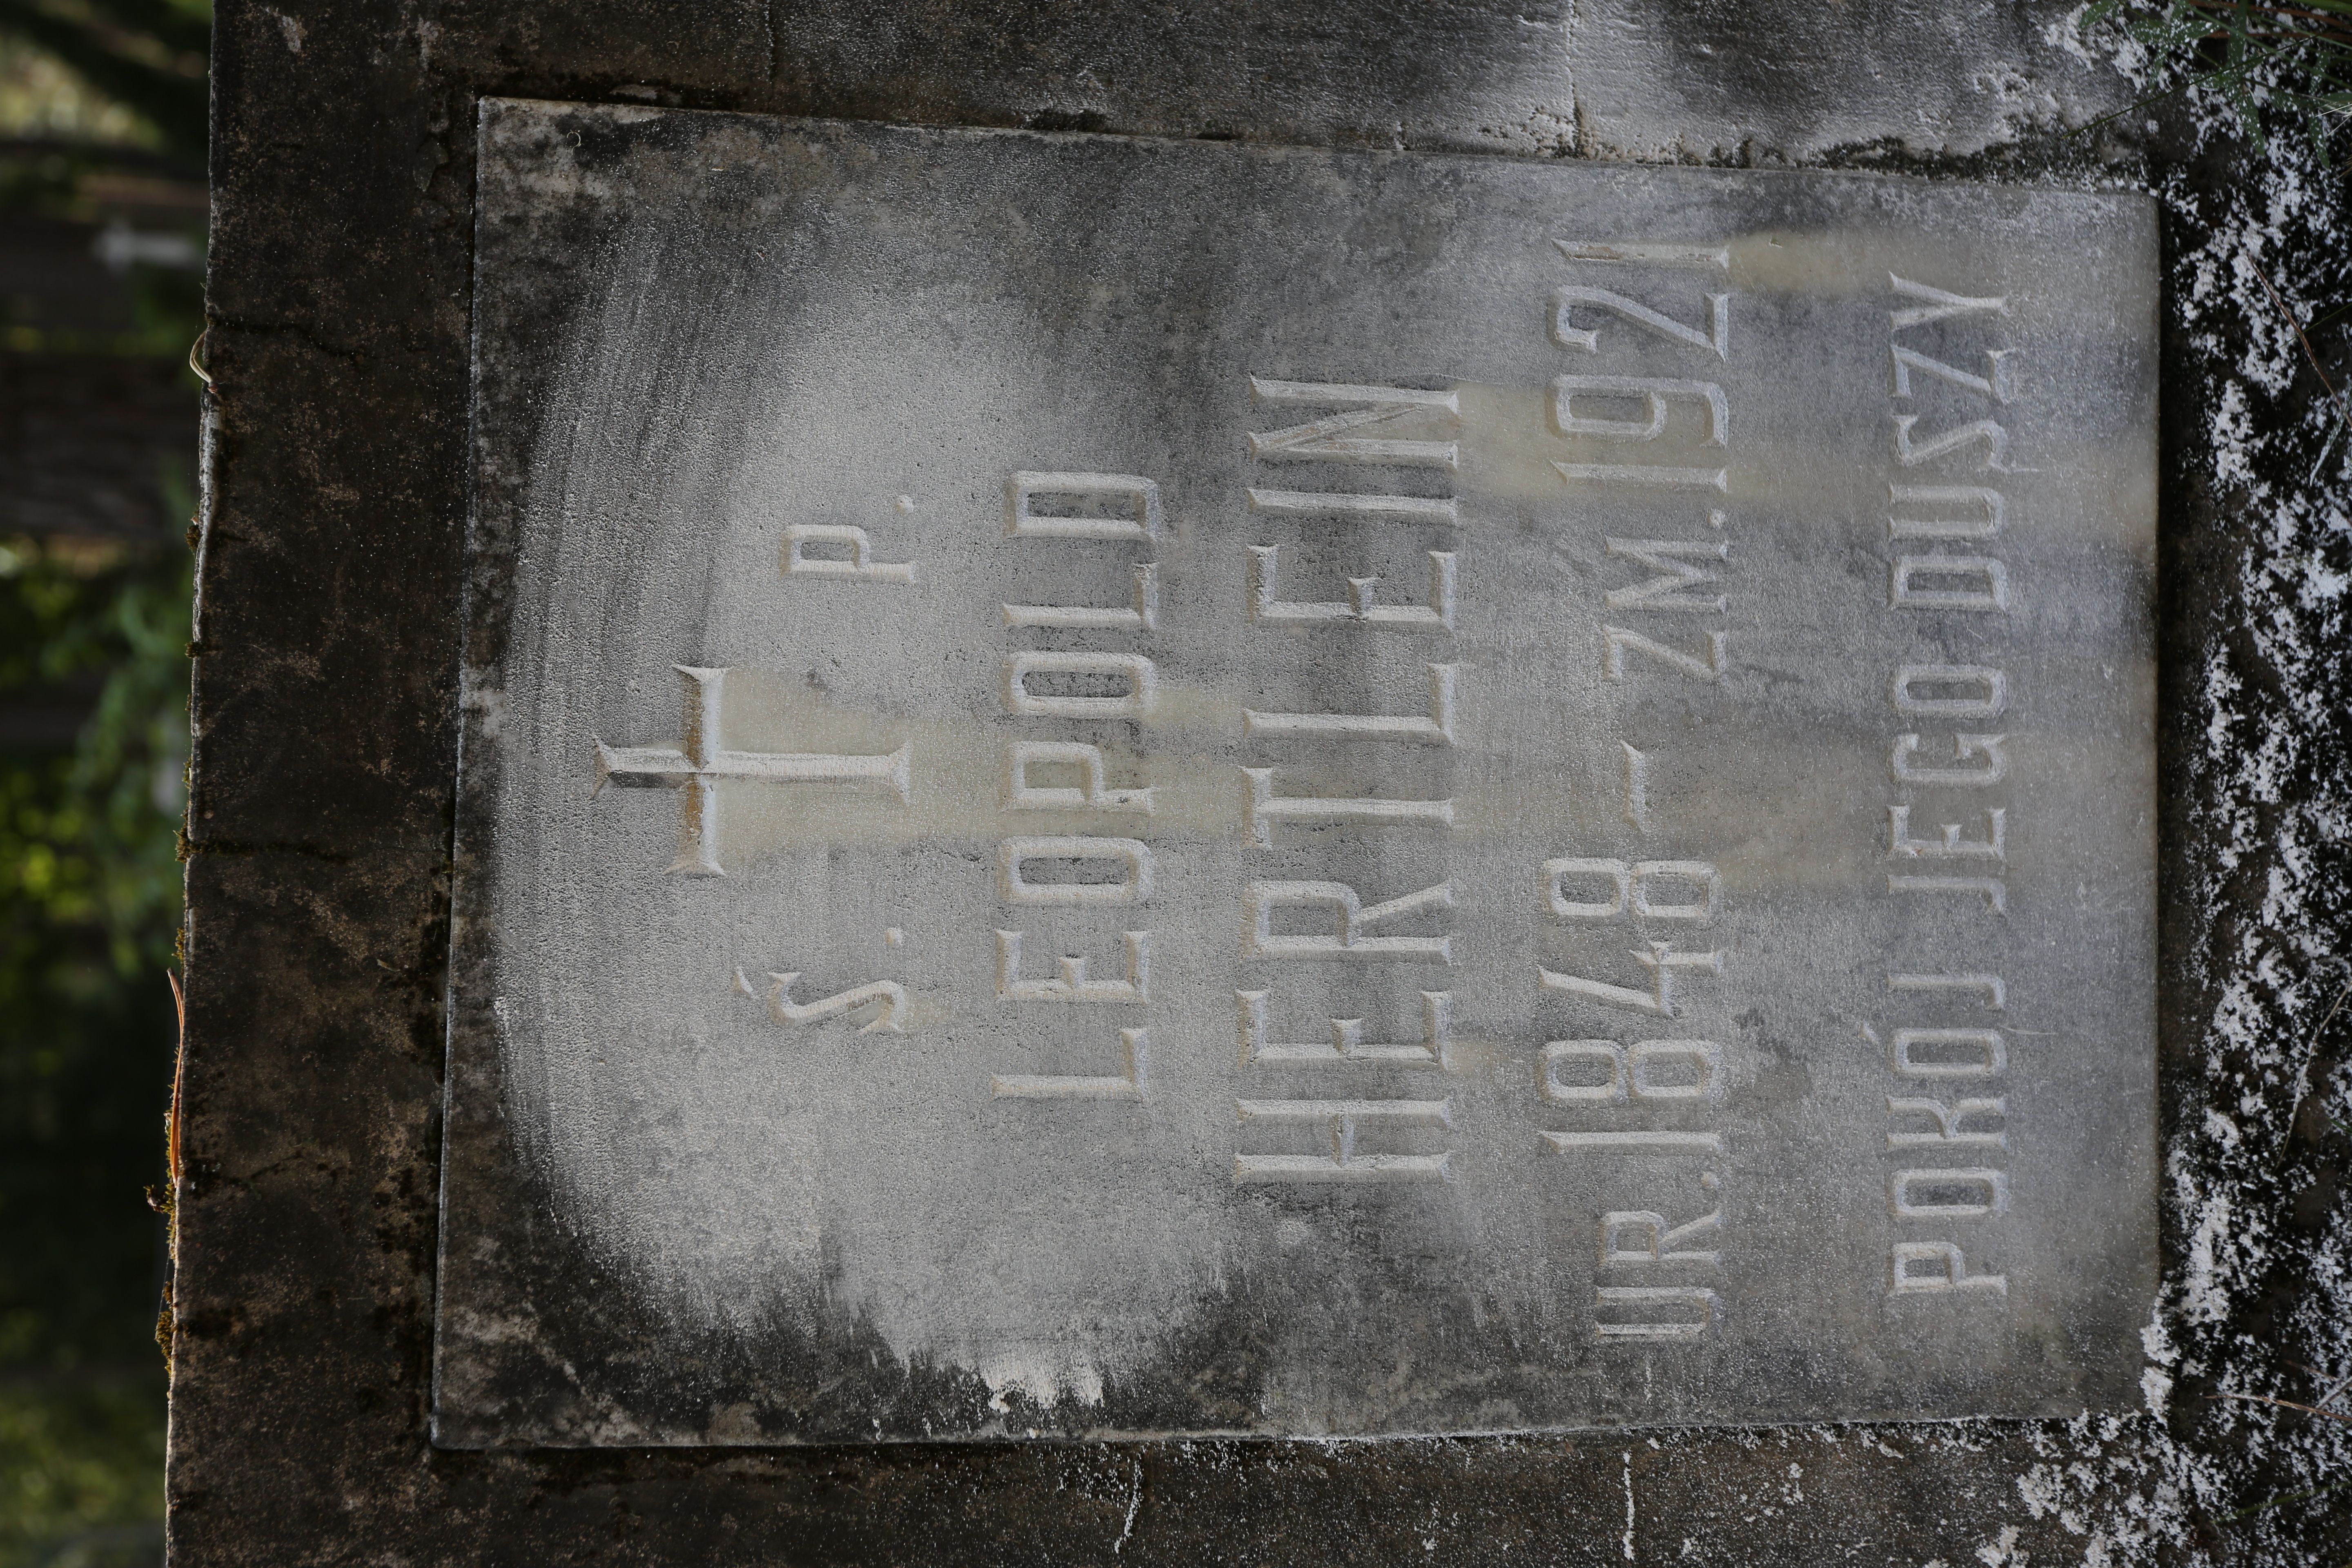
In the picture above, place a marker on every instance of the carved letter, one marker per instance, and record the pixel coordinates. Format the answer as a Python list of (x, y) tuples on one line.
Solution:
[(1947, 1120), (1134, 887), (1437, 730), (1020, 794), (1701, 910), (1653, 389), (1988, 747), (1352, 505), (1655, 1241), (1952, 846), (1085, 506), (1911, 454), (1361, 606), (1940, 304), (1950, 1271), (1128, 1084), (1662, 963), (1568, 336), (1616, 640), (860, 564), (1633, 889), (1072, 985), (1641, 474), (1987, 1194), (1267, 808), (1347, 1038), (1133, 668), (1994, 383), (1351, 918), (1628, 1072), (1990, 685), (1322, 440), (892, 1017), (1706, 1060), (1341, 1117), (1609, 1053), (1144, 617), (1556, 875), (1996, 511), (1991, 577), (1991, 1053), (1670, 590)]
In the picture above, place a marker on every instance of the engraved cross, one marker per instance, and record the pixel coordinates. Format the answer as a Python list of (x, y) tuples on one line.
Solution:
[(701, 758)]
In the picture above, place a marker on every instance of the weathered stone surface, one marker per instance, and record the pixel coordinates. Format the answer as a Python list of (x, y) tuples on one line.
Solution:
[(325, 756), (999, 497), (1670, 79)]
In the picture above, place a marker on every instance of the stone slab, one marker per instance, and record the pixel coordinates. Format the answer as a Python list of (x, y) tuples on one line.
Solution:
[(1592, 728)]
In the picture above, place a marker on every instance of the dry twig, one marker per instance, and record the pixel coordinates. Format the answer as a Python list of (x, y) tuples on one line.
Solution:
[(2284, 1403)]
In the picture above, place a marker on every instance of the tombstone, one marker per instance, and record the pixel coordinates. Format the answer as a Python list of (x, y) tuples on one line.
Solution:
[(1044, 808)]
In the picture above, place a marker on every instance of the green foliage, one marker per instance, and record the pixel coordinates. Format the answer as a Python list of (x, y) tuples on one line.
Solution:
[(89, 903), (81, 1472), (2265, 61), (86, 840), (148, 55), (89, 892)]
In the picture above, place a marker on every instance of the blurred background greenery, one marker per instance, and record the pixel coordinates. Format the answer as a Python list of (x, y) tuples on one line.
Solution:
[(102, 112)]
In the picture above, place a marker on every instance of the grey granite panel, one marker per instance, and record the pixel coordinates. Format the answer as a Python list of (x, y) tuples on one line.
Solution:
[(1736, 739), (1723, 80)]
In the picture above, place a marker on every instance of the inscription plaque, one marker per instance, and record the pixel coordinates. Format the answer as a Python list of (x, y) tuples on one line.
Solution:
[(1115, 787)]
